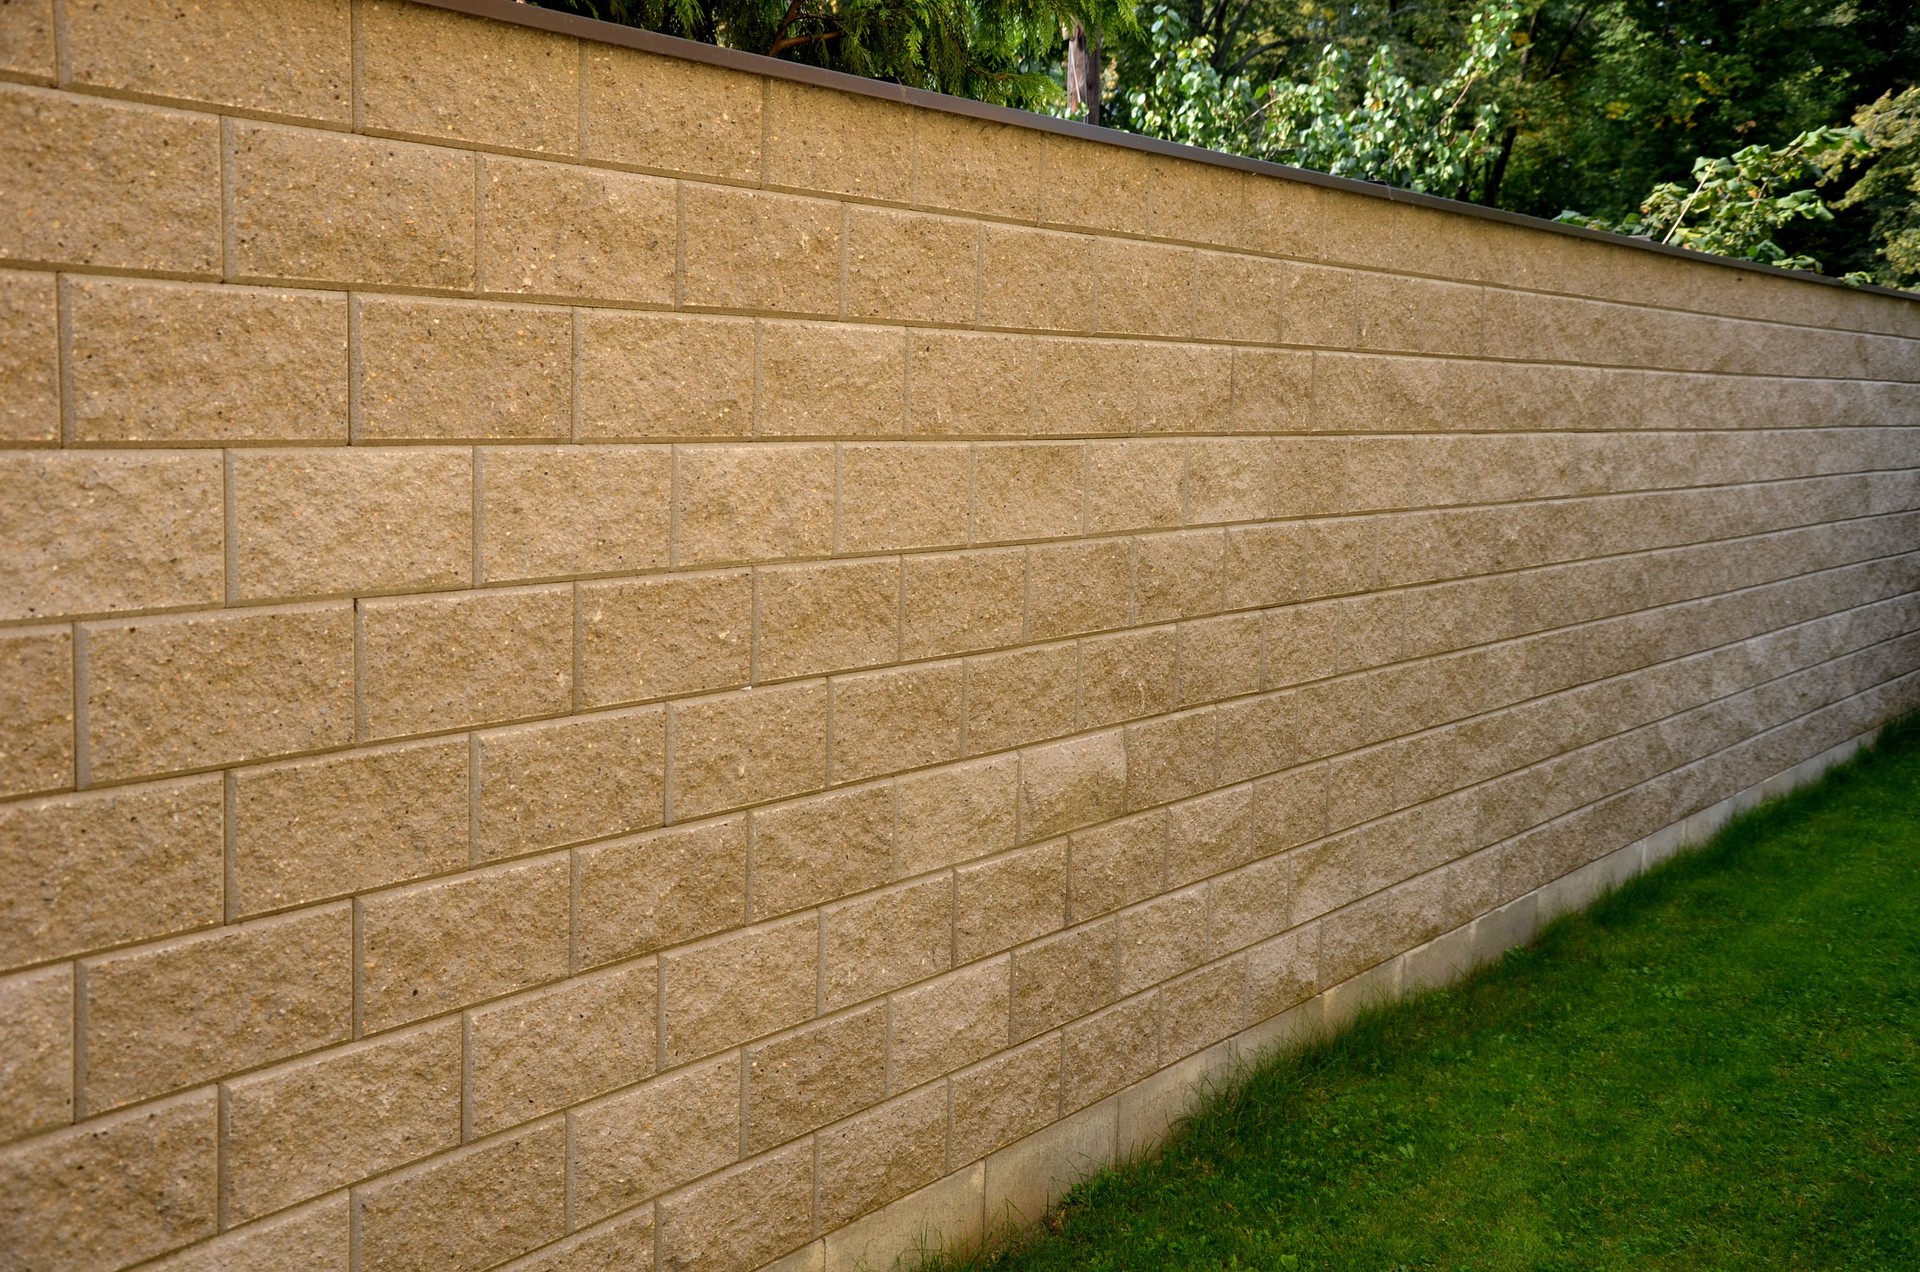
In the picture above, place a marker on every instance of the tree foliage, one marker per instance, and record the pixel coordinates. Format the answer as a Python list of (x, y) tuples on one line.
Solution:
[(1885, 139)]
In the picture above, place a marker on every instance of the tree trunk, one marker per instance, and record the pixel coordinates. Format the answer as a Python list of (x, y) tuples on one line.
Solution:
[(1083, 74)]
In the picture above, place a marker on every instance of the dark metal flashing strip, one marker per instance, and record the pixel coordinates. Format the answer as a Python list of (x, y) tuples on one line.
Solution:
[(593, 29)]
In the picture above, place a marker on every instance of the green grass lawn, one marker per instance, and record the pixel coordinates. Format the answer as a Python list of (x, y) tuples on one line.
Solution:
[(1718, 1067)]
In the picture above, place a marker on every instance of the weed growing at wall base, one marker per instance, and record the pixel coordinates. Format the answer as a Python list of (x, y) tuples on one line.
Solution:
[(1718, 1067)]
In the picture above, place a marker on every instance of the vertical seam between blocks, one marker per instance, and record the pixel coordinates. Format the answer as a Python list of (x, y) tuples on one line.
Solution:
[(476, 477), (62, 54), (466, 1077), (230, 525), (66, 405), (359, 670), (679, 244), (580, 652), (579, 384), (222, 1133), (79, 1110), (230, 847), (82, 752), (229, 231), (356, 360), (474, 778), (359, 1005), (479, 161)]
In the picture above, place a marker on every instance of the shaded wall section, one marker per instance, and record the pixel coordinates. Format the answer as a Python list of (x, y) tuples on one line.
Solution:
[(608, 658)]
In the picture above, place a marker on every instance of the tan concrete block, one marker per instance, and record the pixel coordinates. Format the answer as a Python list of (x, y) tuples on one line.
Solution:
[(1196, 201), (568, 232), (1078, 587), (545, 785), (624, 1244), (838, 143), (818, 1075), (1162, 939), (437, 946), (1304, 643), (446, 76), (552, 512), (36, 711), (90, 182), (1327, 875), (1065, 977), (747, 249), (1283, 972), (1110, 1050), (1179, 575), (36, 1051), (1088, 386), (1184, 388), (1010, 899), (170, 1016), (1037, 279), (832, 379), (1008, 1097), (704, 1011), (326, 206), (743, 1218), (470, 1210), (743, 748), (654, 376), (827, 617), (1289, 809), (1264, 565), (889, 939), (661, 112), (911, 267), (1134, 485), (1145, 288), (967, 384), (1116, 864), (1251, 905), (1210, 834), (558, 1047), (639, 1143), (308, 830), (317, 1237), (261, 683), (1228, 479), (351, 520), (955, 814), (959, 602), (93, 533), (239, 53), (26, 39), (639, 895), (747, 503), (1238, 297), (895, 719), (1104, 187), (972, 165), (429, 369), (442, 662), (29, 350), (817, 849), (1220, 658), (1023, 695), (882, 1155), (1320, 307), (1170, 758), (1126, 675), (1201, 1008), (908, 495), (651, 638), (115, 1191), (311, 1126), (1072, 784), (949, 1022), (1282, 217), (1272, 391), (78, 872)]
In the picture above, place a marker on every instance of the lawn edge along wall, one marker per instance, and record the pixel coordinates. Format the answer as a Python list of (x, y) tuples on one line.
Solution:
[(633, 656)]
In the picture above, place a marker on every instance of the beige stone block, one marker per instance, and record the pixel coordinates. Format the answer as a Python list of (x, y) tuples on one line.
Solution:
[(29, 351), (1065, 977), (1251, 905), (93, 533), (170, 1016), (882, 1155), (1078, 587), (351, 520), (1134, 485), (568, 232), (888, 939), (78, 872), (660, 112), (1072, 784), (899, 718), (827, 617), (1228, 479), (165, 362), (1023, 695), (1320, 307), (26, 39), (911, 267), (36, 711), (470, 1210), (534, 1055), (665, 376), (446, 76), (1283, 217), (85, 181), (329, 207), (823, 379), (652, 638), (748, 503), (115, 1191), (1264, 565), (309, 830), (1220, 658), (1010, 899), (1162, 939), (954, 814), (1008, 1097), (743, 1218), (437, 946), (260, 683), (704, 1011), (1283, 972), (553, 512), (838, 143), (318, 1237), (817, 849), (1087, 386), (1238, 297), (315, 1124), (748, 249), (1144, 288), (639, 1143), (969, 384), (747, 747), (909, 495), (973, 165), (1110, 1051), (1184, 388), (956, 603), (1381, 473), (1126, 675), (1116, 864), (241, 53), (1326, 876), (545, 785), (639, 895), (1169, 758), (1198, 202), (1202, 1007), (1180, 575), (1211, 834), (1272, 391), (36, 1051), (624, 1244), (442, 662), (817, 1075), (431, 369), (1037, 279), (949, 1022), (1096, 185), (1303, 643)]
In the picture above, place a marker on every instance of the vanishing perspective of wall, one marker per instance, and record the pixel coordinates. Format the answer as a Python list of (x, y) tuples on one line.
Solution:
[(612, 662)]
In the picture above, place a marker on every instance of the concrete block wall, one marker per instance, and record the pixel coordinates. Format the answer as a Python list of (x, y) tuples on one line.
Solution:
[(618, 662)]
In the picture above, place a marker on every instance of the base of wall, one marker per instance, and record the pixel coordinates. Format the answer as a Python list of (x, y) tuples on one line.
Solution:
[(1016, 1185)]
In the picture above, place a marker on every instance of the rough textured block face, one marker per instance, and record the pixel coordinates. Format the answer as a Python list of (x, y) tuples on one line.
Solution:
[(903, 496), (554, 230), (29, 358), (1078, 587), (1066, 977), (1109, 1051), (1072, 784), (832, 380), (1024, 695), (316, 1236), (471, 1210), (905, 266), (444, 662), (575, 510), (703, 1011), (532, 1056), (744, 249), (654, 112), (897, 719), (882, 1155), (959, 602), (950, 1022), (815, 1076), (816, 618), (36, 711), (955, 814), (36, 1037), (880, 942), (741, 503), (646, 376), (432, 370), (965, 385), (1037, 279), (26, 39), (547, 785), (1028, 491), (430, 73), (639, 895), (820, 849), (838, 143), (743, 748), (655, 637), (640, 1143), (1006, 1098), (1010, 899), (741, 1219)]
